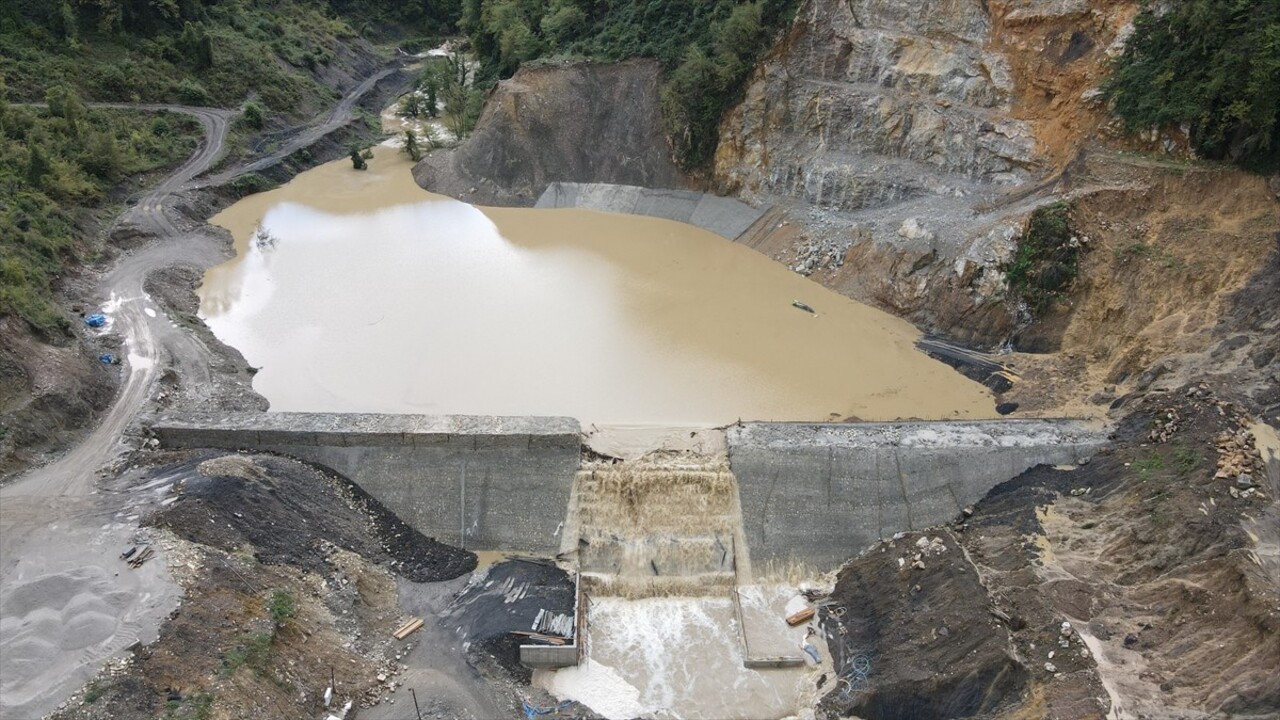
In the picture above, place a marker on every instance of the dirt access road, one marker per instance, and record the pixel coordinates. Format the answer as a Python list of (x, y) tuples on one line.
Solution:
[(67, 603)]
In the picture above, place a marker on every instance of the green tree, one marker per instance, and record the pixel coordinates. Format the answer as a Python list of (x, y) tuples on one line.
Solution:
[(462, 101), (411, 146), (432, 104), (66, 25), (254, 114), (691, 106), (357, 160), (1210, 65), (102, 158), (4, 104), (196, 45), (64, 103), (411, 105), (565, 23), (38, 167)]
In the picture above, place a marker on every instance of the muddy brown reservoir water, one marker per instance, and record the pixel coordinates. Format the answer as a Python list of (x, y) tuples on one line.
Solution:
[(358, 291)]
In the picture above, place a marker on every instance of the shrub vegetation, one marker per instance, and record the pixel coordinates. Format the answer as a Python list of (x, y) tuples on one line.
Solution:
[(57, 165), (1212, 65), (1047, 259)]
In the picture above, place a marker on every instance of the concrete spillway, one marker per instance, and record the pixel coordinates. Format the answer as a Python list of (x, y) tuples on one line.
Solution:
[(812, 493)]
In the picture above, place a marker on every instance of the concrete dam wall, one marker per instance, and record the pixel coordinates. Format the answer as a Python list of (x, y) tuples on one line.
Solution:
[(822, 493), (809, 492), (481, 482)]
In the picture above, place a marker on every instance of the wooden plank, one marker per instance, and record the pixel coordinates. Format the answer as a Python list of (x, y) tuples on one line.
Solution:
[(552, 639), (803, 616), (407, 629)]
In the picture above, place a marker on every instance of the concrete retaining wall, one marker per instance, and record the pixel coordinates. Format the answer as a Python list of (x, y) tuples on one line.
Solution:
[(559, 656), (723, 216), (482, 482), (821, 493)]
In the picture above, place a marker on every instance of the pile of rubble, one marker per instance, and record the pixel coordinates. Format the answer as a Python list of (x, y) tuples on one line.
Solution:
[(1065, 637), (1164, 425), (925, 547), (1239, 460), (819, 254)]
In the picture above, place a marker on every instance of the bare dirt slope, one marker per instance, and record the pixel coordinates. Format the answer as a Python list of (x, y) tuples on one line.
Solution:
[(1145, 553), (580, 122), (289, 575)]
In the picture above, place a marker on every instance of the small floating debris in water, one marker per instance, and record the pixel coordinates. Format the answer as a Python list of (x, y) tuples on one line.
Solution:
[(802, 306), (96, 320)]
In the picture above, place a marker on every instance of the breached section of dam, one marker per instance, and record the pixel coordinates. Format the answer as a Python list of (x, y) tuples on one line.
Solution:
[(811, 493)]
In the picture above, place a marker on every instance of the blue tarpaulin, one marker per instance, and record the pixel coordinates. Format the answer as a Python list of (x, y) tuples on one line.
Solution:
[(531, 711), (96, 320), (106, 358)]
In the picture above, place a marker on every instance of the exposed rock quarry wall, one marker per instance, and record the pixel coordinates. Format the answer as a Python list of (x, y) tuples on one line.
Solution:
[(572, 123), (911, 137), (478, 482), (822, 493)]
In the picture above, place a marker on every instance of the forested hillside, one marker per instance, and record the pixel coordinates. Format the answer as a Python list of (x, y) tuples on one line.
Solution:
[(708, 48), (1212, 66), (59, 164)]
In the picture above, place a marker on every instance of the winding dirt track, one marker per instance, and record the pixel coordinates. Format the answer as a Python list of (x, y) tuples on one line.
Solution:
[(58, 537)]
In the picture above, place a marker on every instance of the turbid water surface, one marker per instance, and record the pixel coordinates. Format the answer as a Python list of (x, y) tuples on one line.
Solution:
[(358, 291)]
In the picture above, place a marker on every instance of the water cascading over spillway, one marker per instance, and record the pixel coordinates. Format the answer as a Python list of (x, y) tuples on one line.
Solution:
[(674, 626), (651, 530)]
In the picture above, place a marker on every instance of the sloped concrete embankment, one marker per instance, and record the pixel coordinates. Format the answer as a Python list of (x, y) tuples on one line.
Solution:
[(472, 481), (723, 216), (821, 493)]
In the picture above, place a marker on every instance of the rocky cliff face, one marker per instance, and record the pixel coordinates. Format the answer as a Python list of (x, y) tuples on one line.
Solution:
[(572, 123), (905, 142), (910, 138)]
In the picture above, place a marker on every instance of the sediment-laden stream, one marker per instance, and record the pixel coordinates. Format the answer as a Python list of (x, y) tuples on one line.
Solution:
[(360, 292)]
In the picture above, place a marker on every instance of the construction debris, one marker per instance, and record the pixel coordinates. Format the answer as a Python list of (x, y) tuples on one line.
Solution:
[(800, 617), (137, 560), (541, 637), (407, 629), (550, 623)]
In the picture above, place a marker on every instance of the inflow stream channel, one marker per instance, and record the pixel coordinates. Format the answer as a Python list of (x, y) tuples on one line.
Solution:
[(360, 292)]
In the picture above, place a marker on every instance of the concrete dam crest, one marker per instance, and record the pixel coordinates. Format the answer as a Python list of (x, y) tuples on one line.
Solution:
[(811, 493)]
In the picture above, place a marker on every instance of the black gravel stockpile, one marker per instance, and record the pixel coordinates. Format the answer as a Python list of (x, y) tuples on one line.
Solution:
[(508, 598), (286, 510)]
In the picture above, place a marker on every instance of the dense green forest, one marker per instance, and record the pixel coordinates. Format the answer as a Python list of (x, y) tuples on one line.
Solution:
[(214, 52), (60, 166), (708, 48), (1212, 65)]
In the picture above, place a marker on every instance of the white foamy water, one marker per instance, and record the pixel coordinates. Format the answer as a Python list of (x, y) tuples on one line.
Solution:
[(683, 658)]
